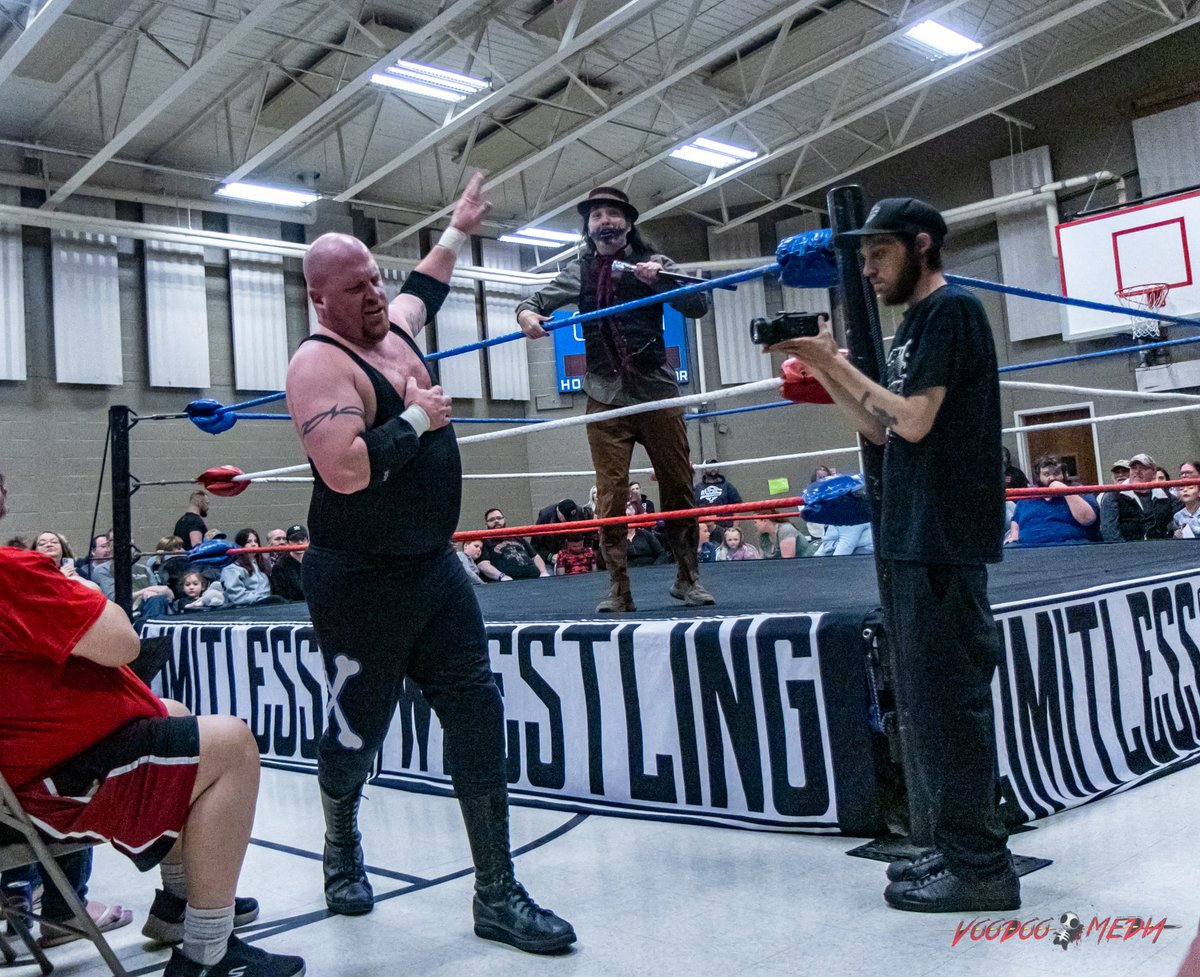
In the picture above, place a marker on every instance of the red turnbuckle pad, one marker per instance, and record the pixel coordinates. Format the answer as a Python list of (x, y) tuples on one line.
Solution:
[(220, 481)]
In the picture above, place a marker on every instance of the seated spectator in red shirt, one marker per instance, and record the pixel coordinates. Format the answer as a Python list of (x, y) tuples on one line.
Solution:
[(575, 557), (77, 732)]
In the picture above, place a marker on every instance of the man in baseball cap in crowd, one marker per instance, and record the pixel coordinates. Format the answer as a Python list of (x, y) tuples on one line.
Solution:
[(547, 547), (285, 578), (937, 410), (1140, 514)]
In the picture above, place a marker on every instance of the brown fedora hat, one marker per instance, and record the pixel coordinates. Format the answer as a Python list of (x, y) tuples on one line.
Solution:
[(608, 195)]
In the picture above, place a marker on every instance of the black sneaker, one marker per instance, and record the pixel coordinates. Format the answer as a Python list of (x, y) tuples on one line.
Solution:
[(912, 869), (164, 924), (942, 891), (240, 960)]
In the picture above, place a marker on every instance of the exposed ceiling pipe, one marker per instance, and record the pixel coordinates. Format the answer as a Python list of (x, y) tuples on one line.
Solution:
[(62, 221)]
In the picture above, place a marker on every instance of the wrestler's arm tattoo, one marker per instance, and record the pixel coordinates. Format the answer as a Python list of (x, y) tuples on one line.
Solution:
[(880, 414), (335, 411)]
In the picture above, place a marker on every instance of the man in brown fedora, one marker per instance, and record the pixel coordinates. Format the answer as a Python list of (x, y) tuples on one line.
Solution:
[(627, 364)]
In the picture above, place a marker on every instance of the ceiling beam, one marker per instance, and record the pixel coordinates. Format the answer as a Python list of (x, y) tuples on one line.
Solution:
[(305, 126), (615, 21), (904, 91), (627, 102), (263, 10), (29, 38), (1004, 103)]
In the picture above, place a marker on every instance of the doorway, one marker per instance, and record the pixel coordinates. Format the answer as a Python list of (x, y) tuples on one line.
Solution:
[(1076, 446)]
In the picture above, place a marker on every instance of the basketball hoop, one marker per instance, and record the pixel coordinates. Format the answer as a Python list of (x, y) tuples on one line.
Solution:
[(1151, 297)]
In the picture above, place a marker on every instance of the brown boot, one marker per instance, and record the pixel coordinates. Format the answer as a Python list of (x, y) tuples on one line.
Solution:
[(620, 597), (687, 586)]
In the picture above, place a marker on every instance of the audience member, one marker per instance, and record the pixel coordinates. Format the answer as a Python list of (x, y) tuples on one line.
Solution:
[(469, 555), (635, 492), (575, 557), (1133, 515), (508, 558), (854, 540), (644, 548), (713, 489), (19, 885), (1013, 476), (285, 578), (191, 527), (199, 593), (245, 581), (735, 548), (1161, 474), (547, 547), (150, 598), (172, 563), (778, 539), (1054, 519), (276, 537), (1120, 470), (707, 549), (1186, 522), (99, 553)]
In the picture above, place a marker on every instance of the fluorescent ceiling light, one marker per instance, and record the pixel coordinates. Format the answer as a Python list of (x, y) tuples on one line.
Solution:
[(420, 79), (550, 237), (941, 39), (709, 152), (540, 239), (259, 194)]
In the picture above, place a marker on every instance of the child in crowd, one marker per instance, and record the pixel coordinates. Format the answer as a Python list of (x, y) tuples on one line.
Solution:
[(198, 594), (575, 557), (1187, 519)]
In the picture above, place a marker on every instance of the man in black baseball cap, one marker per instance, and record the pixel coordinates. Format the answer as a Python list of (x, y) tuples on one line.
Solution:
[(936, 411), (285, 575)]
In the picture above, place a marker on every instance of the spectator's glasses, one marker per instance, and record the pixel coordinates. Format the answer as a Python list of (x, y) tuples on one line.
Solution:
[(491, 519)]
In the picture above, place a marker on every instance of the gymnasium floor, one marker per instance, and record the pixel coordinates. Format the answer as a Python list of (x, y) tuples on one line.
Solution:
[(669, 900)]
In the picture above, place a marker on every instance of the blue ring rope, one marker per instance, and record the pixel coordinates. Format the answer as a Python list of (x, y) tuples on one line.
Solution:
[(1029, 293), (660, 298)]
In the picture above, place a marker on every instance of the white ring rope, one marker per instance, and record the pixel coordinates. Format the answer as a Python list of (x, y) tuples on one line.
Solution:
[(1099, 391), (758, 386)]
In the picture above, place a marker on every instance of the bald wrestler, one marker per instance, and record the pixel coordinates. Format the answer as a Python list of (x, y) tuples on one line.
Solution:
[(388, 595)]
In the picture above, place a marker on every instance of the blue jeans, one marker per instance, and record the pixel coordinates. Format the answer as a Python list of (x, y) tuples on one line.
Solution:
[(21, 882)]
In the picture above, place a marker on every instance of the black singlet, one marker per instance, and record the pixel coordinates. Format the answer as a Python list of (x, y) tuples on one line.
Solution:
[(408, 515)]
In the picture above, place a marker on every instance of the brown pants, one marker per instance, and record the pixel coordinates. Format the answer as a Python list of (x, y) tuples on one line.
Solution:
[(664, 437)]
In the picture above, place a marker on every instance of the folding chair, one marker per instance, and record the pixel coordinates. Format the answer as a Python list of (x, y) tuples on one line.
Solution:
[(20, 844)]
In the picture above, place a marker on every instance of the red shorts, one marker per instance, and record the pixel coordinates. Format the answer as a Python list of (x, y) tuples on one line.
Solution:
[(132, 789)]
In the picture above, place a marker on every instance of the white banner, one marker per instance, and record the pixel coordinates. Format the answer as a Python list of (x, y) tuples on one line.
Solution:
[(1101, 690), (717, 720)]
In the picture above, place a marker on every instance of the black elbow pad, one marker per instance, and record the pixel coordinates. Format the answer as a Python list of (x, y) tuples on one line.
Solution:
[(389, 447), (428, 289)]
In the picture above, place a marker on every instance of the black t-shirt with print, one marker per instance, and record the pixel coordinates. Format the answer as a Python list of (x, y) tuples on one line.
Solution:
[(943, 497), (512, 557)]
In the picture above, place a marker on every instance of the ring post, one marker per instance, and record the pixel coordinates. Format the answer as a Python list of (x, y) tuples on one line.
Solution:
[(864, 342), (119, 424)]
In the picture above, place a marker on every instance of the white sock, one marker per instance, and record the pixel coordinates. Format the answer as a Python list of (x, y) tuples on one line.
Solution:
[(173, 879), (206, 934)]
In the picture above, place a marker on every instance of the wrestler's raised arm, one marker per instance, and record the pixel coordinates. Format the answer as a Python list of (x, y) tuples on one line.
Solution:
[(425, 288)]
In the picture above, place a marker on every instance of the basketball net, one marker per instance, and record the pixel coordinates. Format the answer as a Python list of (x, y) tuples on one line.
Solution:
[(1151, 297)]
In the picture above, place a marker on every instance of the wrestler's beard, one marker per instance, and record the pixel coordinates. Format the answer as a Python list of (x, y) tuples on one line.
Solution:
[(906, 284), (610, 236)]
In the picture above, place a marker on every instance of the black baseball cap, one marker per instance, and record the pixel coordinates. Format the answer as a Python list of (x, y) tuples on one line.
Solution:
[(902, 215), (296, 532), (568, 509)]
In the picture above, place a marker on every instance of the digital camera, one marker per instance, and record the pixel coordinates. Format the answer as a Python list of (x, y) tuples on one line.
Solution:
[(784, 325)]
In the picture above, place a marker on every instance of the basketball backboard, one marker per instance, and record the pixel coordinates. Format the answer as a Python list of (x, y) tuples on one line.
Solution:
[(1157, 241)]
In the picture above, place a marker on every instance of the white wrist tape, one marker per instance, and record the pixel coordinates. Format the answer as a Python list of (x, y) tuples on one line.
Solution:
[(417, 419), (452, 240)]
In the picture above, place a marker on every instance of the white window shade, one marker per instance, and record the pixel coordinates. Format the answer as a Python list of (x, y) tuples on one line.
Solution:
[(259, 313), (176, 305), (87, 301), (508, 363), (740, 360), (12, 295)]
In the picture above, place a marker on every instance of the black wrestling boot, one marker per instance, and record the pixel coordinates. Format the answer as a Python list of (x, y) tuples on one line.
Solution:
[(347, 889), (941, 891), (503, 909)]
